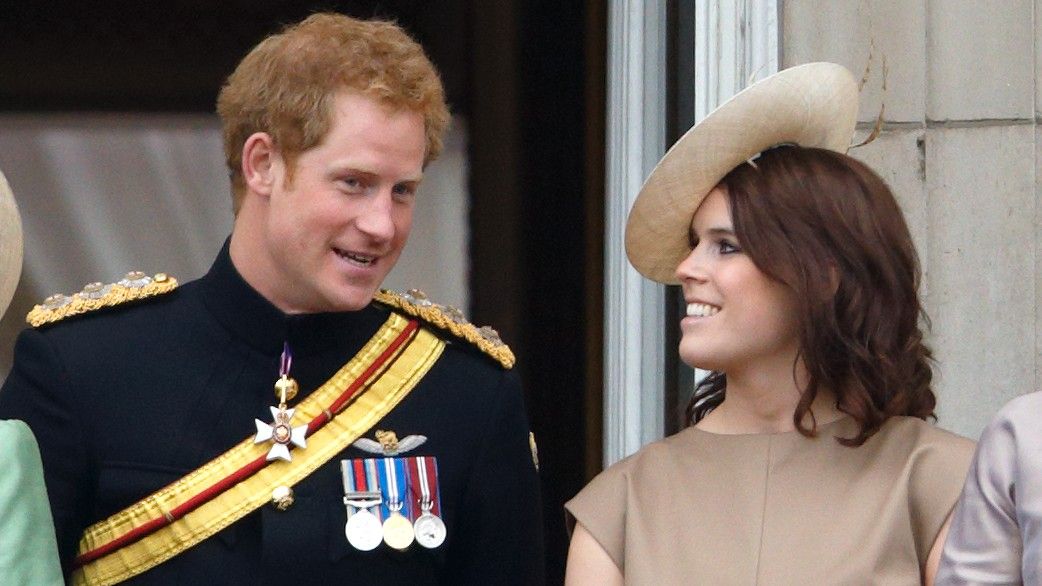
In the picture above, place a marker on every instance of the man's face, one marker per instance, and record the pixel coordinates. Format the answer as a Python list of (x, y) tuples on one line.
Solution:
[(334, 232)]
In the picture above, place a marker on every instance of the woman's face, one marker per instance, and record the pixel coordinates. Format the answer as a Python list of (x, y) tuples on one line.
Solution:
[(736, 315)]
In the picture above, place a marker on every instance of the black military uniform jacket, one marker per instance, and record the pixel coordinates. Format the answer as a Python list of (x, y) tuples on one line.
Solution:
[(127, 400)]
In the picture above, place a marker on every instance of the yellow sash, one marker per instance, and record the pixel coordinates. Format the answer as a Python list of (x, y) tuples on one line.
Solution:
[(387, 387)]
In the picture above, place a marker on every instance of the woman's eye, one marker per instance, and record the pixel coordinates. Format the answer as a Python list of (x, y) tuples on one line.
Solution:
[(728, 247)]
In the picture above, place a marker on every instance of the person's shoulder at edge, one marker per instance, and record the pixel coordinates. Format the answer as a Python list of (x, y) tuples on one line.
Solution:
[(1020, 411)]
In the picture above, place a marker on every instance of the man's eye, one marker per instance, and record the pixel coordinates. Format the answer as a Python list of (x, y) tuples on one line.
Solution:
[(352, 183), (404, 191)]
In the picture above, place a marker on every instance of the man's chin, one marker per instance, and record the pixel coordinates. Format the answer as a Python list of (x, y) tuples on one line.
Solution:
[(352, 300)]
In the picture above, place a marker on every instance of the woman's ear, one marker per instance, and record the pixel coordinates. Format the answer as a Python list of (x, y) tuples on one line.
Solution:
[(260, 159)]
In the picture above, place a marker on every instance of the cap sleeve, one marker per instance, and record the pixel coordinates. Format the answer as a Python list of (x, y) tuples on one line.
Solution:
[(600, 508), (941, 462)]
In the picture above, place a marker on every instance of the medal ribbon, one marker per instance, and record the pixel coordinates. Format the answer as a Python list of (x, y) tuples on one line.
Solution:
[(349, 484), (286, 360), (423, 480), (394, 481), (356, 480), (366, 470)]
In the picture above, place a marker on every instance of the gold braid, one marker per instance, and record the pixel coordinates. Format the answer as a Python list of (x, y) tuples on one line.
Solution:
[(95, 296), (415, 304)]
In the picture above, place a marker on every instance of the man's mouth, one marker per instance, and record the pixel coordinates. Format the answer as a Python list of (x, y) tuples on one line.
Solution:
[(362, 260)]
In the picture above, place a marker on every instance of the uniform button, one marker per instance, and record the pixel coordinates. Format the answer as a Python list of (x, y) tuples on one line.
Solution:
[(282, 497)]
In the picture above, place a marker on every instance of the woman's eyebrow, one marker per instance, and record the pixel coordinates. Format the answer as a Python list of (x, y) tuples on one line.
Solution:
[(715, 231)]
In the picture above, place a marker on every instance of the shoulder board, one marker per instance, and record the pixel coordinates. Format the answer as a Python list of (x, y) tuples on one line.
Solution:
[(415, 304), (94, 296)]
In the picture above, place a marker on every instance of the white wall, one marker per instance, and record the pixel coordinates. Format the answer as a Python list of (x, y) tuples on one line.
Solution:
[(104, 194)]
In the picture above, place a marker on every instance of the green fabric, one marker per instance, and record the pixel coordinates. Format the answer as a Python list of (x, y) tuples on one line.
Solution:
[(28, 550)]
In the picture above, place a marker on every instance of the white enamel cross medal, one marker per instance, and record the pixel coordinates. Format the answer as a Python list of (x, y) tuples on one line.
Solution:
[(280, 433)]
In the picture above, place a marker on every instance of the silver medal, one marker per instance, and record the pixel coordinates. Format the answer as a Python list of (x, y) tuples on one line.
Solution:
[(429, 530), (364, 530)]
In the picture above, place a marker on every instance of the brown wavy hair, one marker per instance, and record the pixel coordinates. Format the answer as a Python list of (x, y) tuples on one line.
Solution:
[(829, 228), (287, 84)]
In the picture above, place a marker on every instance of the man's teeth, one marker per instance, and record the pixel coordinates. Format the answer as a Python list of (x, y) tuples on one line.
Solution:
[(701, 309), (358, 258)]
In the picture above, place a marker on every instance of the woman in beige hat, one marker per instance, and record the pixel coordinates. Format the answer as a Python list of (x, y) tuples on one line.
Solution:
[(28, 551), (809, 460)]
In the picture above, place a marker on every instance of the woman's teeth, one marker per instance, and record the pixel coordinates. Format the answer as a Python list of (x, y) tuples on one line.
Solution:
[(701, 309)]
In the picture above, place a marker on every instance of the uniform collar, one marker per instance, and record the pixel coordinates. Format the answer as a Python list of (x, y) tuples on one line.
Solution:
[(247, 315)]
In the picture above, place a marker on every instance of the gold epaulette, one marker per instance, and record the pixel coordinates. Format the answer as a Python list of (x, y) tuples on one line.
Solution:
[(450, 319), (134, 286)]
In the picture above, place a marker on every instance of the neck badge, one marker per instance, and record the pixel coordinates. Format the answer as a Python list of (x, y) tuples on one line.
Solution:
[(280, 433)]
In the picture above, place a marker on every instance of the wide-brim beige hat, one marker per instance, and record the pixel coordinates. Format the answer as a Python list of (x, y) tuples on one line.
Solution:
[(812, 105), (10, 244)]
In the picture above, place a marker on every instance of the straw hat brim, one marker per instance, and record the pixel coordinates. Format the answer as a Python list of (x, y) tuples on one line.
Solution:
[(812, 105), (10, 244)]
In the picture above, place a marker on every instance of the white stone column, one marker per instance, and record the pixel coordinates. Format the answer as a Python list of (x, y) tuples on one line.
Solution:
[(634, 307), (736, 42)]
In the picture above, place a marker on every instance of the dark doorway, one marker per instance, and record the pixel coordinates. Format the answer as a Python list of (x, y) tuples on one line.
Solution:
[(537, 182)]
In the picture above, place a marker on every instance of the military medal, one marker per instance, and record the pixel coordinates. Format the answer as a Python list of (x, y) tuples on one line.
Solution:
[(363, 530), (429, 528), (280, 433), (397, 529)]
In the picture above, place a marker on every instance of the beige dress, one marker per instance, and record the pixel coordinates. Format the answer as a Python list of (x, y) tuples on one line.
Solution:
[(704, 508)]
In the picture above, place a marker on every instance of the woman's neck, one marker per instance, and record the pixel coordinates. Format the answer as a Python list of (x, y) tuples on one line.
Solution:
[(763, 400)]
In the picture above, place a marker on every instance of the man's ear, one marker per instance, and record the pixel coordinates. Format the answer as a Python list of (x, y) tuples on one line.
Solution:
[(260, 160)]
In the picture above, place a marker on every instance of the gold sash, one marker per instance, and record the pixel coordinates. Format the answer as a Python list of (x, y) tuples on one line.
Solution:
[(386, 388)]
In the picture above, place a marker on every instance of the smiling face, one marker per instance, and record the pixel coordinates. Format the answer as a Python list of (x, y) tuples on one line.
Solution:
[(324, 238), (736, 315)]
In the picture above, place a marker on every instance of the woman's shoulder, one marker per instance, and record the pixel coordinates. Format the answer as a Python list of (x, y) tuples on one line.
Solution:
[(666, 452), (659, 460), (919, 436), (934, 460)]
